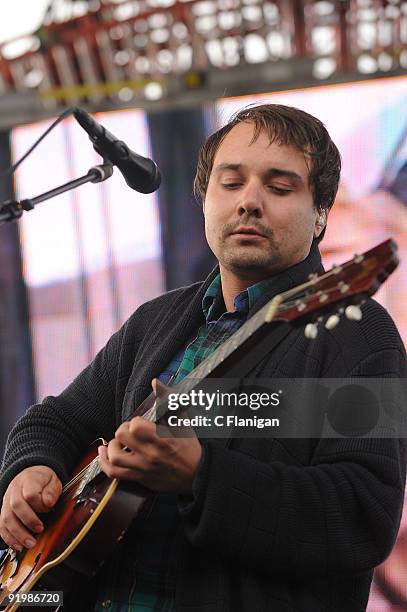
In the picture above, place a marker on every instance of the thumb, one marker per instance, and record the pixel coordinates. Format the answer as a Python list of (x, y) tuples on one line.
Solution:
[(51, 491), (160, 390)]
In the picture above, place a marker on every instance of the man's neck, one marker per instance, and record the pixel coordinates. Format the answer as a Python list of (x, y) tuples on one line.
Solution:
[(232, 285)]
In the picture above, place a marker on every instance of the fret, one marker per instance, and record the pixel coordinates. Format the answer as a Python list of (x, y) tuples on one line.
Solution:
[(252, 326)]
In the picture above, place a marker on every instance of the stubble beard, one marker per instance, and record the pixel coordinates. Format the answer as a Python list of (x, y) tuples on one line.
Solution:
[(250, 259)]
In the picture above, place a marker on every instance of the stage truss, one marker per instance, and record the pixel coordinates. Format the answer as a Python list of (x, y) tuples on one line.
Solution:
[(112, 54)]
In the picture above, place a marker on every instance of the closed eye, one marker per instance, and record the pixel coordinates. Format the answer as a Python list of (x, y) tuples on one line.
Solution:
[(231, 185), (279, 191)]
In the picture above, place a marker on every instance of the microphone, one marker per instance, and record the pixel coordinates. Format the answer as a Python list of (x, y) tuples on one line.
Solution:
[(140, 173)]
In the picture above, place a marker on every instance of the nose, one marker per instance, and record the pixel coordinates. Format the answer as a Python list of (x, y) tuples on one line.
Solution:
[(251, 199)]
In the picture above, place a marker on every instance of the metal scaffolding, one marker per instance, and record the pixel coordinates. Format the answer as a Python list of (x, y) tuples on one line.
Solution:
[(117, 53)]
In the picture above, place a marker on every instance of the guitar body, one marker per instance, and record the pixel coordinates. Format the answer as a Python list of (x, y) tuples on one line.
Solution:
[(80, 533)]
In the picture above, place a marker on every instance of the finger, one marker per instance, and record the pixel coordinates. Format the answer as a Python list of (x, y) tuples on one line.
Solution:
[(163, 430), (52, 491), (119, 457), (160, 390), (142, 429), (124, 457), (18, 533), (113, 471), (136, 427), (139, 429), (24, 512), (33, 488), (133, 439), (9, 539)]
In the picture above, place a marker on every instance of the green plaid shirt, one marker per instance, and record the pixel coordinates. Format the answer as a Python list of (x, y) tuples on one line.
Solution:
[(140, 577)]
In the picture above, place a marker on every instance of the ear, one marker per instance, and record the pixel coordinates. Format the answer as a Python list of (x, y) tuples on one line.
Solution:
[(320, 223)]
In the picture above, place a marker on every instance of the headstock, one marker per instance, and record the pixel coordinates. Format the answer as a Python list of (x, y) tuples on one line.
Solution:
[(338, 291)]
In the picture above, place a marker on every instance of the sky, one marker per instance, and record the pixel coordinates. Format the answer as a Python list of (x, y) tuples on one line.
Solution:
[(20, 17)]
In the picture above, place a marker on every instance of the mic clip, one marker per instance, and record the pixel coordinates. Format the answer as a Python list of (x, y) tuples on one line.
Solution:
[(101, 172)]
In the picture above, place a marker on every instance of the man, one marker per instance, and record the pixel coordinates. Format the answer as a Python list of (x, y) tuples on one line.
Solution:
[(248, 524)]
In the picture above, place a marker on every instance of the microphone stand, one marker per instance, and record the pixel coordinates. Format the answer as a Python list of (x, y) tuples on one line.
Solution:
[(10, 210)]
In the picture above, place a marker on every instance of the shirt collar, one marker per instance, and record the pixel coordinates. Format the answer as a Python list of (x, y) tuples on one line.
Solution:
[(254, 297), (243, 302)]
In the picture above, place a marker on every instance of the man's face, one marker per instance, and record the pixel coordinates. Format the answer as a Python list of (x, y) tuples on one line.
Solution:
[(259, 213)]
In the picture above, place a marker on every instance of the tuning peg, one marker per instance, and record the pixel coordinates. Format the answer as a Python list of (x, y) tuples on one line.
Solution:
[(343, 287), (322, 296), (311, 331), (358, 258), (300, 304), (332, 321), (353, 312)]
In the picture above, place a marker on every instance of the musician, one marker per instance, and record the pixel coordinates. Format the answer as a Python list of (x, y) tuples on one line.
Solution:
[(244, 524)]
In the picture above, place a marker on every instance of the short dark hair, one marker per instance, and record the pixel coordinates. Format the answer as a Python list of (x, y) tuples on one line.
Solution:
[(285, 125)]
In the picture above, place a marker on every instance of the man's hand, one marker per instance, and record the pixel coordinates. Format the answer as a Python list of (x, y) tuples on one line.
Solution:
[(161, 464), (35, 489)]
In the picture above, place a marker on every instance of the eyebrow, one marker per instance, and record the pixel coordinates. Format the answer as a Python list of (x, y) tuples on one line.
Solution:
[(270, 172)]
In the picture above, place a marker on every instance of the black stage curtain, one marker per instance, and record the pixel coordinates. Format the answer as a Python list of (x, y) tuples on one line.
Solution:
[(176, 137), (17, 390)]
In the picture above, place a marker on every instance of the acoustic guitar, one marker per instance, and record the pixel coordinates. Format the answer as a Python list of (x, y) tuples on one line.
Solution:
[(94, 512)]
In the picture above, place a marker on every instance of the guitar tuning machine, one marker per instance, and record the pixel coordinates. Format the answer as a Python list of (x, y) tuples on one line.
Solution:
[(332, 321), (343, 287), (353, 312), (311, 331)]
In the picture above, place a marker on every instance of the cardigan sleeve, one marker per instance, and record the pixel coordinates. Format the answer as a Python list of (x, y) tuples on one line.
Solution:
[(58, 431), (338, 515)]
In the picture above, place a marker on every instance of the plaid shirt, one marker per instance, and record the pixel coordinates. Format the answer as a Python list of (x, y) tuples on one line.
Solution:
[(140, 577)]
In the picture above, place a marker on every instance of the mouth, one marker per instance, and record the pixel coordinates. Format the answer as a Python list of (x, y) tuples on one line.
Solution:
[(247, 232)]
